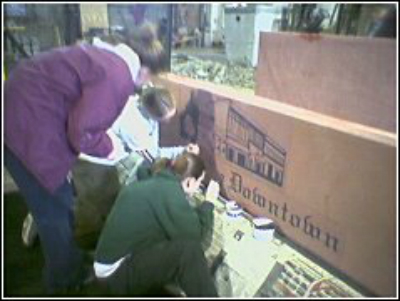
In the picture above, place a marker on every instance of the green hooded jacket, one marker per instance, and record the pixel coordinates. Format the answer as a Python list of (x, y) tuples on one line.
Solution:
[(148, 212)]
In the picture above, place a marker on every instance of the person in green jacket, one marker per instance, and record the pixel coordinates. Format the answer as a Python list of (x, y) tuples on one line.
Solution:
[(153, 235)]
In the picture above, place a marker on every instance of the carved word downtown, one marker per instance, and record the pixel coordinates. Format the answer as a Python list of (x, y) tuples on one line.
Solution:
[(303, 223)]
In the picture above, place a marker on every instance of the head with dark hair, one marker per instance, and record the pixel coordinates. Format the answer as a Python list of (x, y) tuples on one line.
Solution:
[(158, 103), (190, 168)]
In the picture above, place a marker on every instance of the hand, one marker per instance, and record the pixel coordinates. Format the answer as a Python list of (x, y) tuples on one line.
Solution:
[(193, 148)]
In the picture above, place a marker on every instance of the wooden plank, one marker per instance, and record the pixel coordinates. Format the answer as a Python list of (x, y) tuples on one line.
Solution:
[(330, 184), (351, 78)]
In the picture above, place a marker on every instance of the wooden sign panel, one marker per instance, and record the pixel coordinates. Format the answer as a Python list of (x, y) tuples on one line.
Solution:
[(329, 184), (350, 78)]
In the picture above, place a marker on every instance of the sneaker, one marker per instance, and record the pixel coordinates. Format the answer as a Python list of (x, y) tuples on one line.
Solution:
[(29, 231)]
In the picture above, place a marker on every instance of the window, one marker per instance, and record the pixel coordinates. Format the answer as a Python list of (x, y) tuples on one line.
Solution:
[(241, 160)]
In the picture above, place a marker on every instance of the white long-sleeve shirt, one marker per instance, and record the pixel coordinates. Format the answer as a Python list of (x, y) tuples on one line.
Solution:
[(141, 133)]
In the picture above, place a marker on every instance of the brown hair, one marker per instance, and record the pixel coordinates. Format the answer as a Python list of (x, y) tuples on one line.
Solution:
[(145, 42), (186, 165), (158, 102)]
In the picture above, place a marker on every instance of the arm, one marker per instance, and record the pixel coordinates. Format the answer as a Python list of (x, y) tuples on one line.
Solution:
[(164, 152), (170, 152), (117, 154), (206, 217), (174, 151), (90, 118)]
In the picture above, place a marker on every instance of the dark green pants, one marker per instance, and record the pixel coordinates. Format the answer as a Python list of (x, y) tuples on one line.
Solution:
[(171, 262)]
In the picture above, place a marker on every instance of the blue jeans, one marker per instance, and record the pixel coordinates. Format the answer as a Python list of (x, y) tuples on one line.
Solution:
[(53, 214)]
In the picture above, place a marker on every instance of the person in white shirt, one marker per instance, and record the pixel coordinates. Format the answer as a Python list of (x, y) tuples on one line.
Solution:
[(138, 125)]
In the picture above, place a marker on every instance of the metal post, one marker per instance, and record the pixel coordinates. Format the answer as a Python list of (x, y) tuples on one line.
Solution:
[(339, 18), (169, 34)]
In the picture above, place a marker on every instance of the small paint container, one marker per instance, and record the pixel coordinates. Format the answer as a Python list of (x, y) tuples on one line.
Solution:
[(233, 209), (263, 228)]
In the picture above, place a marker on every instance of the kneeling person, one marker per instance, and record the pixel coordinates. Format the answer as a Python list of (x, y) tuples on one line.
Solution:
[(152, 236)]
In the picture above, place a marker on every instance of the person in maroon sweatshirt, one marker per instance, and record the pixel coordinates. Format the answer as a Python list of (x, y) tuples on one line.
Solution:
[(57, 105)]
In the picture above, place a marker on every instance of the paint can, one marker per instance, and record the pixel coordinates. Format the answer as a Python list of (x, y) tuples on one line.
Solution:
[(263, 228), (233, 210)]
